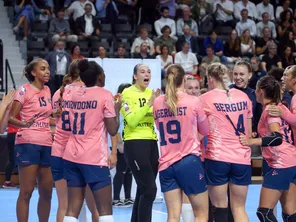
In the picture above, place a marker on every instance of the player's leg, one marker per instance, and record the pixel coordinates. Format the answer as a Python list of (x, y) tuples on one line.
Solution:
[(91, 204), (118, 180), (187, 211), (173, 200)]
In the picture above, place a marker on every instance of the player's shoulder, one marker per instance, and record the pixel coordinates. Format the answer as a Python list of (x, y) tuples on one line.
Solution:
[(127, 91), (160, 99), (238, 93)]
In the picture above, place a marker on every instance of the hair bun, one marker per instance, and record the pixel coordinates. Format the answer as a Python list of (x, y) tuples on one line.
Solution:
[(83, 65)]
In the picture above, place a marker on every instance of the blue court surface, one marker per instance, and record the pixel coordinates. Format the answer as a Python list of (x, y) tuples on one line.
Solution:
[(8, 202)]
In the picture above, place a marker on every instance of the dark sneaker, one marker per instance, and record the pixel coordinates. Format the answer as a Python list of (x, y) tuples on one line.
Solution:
[(118, 203), (129, 201), (9, 185)]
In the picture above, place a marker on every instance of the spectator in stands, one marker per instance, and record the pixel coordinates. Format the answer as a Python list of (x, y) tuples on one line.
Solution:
[(165, 21), (88, 26), (59, 61), (102, 52), (187, 37), (25, 15), (77, 8), (263, 42), (147, 11), (121, 52), (223, 13), (248, 45), (75, 52), (127, 7), (187, 60), (266, 23), (143, 37), (45, 4), (217, 45), (232, 47), (286, 24), (288, 40), (202, 13), (245, 4), (287, 57), (265, 7), (257, 72), (59, 28), (171, 4), (271, 59), (284, 7), (210, 57), (143, 54), (165, 39), (246, 23), (107, 11), (186, 20), (165, 58), (203, 75), (183, 3)]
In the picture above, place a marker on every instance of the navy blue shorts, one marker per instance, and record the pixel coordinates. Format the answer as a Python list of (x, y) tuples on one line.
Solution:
[(265, 167), (219, 173), (57, 168), (32, 154), (279, 179), (78, 175), (186, 174)]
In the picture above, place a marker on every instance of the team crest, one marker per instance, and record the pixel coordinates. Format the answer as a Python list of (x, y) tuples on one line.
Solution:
[(126, 107), (22, 91)]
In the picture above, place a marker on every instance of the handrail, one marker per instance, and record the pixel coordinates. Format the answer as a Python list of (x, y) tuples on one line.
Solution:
[(7, 68)]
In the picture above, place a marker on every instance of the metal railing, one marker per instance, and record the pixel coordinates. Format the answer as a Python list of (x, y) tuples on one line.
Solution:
[(7, 68)]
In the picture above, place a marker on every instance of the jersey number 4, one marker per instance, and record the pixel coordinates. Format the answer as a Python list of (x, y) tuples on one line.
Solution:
[(66, 125), (172, 128)]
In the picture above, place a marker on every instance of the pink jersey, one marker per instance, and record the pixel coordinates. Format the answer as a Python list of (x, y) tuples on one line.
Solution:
[(179, 134), (88, 107), (35, 104), (228, 117), (284, 155), (293, 110), (63, 131)]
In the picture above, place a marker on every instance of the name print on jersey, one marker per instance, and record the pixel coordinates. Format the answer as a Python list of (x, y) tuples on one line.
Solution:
[(232, 107), (164, 113)]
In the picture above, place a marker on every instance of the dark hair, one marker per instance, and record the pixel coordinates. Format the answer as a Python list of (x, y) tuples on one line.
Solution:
[(27, 72), (271, 88), (73, 48), (87, 4), (211, 32), (236, 44), (164, 46), (174, 76), (276, 73), (244, 10), (121, 45), (284, 14), (243, 62), (164, 28), (89, 72), (135, 72), (164, 8), (185, 43), (59, 10), (72, 75), (264, 14), (123, 86), (208, 46)]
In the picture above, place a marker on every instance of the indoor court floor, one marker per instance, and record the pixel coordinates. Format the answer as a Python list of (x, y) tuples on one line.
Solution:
[(8, 201)]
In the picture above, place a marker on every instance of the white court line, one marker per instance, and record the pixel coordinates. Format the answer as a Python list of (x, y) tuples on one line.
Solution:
[(160, 212)]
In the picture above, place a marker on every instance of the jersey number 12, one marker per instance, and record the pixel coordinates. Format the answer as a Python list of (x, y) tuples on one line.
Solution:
[(66, 125)]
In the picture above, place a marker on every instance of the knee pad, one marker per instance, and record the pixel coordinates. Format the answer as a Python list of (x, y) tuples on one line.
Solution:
[(289, 218), (266, 214)]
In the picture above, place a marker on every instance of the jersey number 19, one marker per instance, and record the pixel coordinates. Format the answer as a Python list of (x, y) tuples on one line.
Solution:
[(172, 128)]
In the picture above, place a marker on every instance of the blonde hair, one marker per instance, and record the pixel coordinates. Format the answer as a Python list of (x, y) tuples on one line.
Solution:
[(174, 76), (218, 71)]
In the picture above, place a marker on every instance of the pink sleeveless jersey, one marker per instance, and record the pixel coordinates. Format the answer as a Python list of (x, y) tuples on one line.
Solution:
[(35, 104), (87, 108), (228, 117), (178, 134), (284, 155), (293, 110)]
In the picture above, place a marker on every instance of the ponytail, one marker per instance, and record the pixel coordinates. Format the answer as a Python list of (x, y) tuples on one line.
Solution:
[(171, 93)]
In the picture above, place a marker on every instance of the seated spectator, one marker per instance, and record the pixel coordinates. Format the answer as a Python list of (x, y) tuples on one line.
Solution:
[(287, 57), (286, 24), (263, 42), (232, 47), (288, 40), (203, 75), (121, 52), (143, 54), (186, 20), (88, 26), (59, 61), (265, 23), (210, 57), (171, 4), (280, 9), (126, 7), (59, 28), (45, 4), (265, 7), (223, 13), (165, 21), (248, 45), (75, 52), (246, 23), (107, 11), (165, 39), (187, 60), (245, 4), (25, 15), (184, 3), (164, 57), (187, 37), (202, 13), (217, 45), (143, 38), (271, 59), (102, 52), (257, 72), (77, 8)]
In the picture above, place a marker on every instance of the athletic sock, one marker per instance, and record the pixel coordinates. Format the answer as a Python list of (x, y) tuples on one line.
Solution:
[(70, 219), (187, 213), (108, 218)]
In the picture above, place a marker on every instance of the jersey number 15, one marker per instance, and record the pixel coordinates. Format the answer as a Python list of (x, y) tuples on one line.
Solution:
[(66, 125)]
